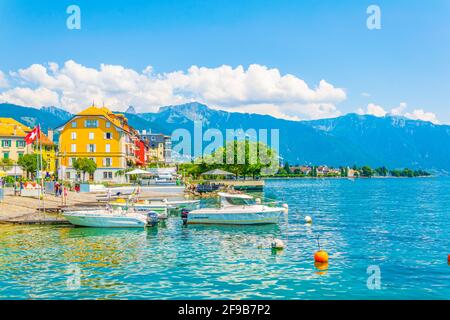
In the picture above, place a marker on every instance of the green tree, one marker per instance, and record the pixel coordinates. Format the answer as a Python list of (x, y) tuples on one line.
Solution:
[(239, 157), (84, 165), (366, 171), (382, 171), (287, 168), (6, 164), (29, 163)]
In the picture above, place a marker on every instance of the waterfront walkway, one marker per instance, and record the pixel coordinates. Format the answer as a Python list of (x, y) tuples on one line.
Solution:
[(25, 210)]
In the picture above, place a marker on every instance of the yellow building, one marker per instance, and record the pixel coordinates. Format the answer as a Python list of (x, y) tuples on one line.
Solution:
[(100, 135), (12, 136), (13, 145), (49, 152)]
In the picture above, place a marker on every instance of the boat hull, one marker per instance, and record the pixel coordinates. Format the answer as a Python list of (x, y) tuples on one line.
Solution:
[(102, 221), (271, 217), (142, 207)]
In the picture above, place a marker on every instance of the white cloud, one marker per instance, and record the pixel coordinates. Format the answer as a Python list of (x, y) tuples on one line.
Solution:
[(3, 81), (373, 109), (30, 97), (398, 111), (417, 114), (256, 89), (420, 114)]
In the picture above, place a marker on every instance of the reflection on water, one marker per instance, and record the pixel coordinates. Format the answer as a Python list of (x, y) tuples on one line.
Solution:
[(400, 225)]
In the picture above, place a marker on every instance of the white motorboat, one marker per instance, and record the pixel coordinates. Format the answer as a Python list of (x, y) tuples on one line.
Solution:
[(183, 204), (235, 209), (112, 218)]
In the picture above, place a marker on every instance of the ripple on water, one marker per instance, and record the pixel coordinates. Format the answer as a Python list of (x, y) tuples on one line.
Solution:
[(400, 225)]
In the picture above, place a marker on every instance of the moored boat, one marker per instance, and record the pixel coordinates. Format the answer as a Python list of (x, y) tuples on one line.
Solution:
[(235, 209), (158, 206), (111, 218)]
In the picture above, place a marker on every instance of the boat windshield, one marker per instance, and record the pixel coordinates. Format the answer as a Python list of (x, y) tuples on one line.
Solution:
[(238, 201)]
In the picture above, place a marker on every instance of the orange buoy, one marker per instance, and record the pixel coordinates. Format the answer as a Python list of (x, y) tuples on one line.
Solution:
[(322, 266), (448, 259), (321, 256)]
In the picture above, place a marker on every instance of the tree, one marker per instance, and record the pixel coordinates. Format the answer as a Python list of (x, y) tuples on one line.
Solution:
[(84, 165), (6, 164), (239, 157), (29, 163), (366, 171), (382, 171), (287, 168)]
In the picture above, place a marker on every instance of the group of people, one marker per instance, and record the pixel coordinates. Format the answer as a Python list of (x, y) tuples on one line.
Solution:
[(60, 189)]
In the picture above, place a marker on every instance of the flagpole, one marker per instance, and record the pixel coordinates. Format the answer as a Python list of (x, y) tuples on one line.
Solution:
[(42, 178), (37, 173)]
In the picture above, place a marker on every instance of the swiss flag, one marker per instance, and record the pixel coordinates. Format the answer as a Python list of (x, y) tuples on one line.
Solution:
[(33, 135)]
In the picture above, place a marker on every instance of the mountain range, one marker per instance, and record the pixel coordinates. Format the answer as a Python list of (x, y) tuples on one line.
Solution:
[(392, 141)]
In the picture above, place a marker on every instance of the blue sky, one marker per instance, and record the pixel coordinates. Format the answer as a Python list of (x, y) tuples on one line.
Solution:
[(406, 61)]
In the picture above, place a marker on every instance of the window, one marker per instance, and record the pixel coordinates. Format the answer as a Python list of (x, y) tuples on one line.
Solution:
[(73, 147), (91, 136), (93, 159), (108, 135), (153, 138), (21, 143), (91, 148), (107, 175), (74, 125), (6, 155), (108, 124), (68, 175), (107, 147), (20, 154), (6, 143), (107, 162), (74, 135), (71, 161), (91, 123)]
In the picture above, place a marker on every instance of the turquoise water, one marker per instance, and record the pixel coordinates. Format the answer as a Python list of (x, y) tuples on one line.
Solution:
[(401, 226)]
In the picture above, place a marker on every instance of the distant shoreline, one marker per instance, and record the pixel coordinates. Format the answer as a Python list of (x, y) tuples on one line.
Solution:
[(348, 178)]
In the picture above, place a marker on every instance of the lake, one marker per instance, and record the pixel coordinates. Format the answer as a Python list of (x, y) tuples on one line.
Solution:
[(394, 233)]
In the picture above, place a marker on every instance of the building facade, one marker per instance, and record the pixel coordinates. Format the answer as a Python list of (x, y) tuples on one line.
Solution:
[(13, 145), (12, 137), (103, 136), (159, 147)]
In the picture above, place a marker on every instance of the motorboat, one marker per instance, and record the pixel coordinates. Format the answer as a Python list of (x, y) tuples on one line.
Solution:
[(184, 204), (159, 206), (111, 218), (235, 209)]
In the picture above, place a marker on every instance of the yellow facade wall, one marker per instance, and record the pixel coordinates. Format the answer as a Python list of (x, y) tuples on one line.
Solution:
[(82, 136)]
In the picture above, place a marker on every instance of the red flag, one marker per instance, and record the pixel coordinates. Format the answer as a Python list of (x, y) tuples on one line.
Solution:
[(33, 135)]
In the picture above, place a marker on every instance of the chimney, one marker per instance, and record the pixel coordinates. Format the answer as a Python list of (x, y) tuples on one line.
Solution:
[(50, 135), (144, 132)]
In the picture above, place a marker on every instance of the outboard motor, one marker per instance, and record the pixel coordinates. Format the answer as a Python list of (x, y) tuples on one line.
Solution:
[(184, 216), (152, 218)]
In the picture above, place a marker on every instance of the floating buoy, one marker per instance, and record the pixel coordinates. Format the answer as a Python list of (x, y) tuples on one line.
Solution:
[(321, 256), (448, 259), (322, 266), (308, 219), (278, 244), (286, 207)]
